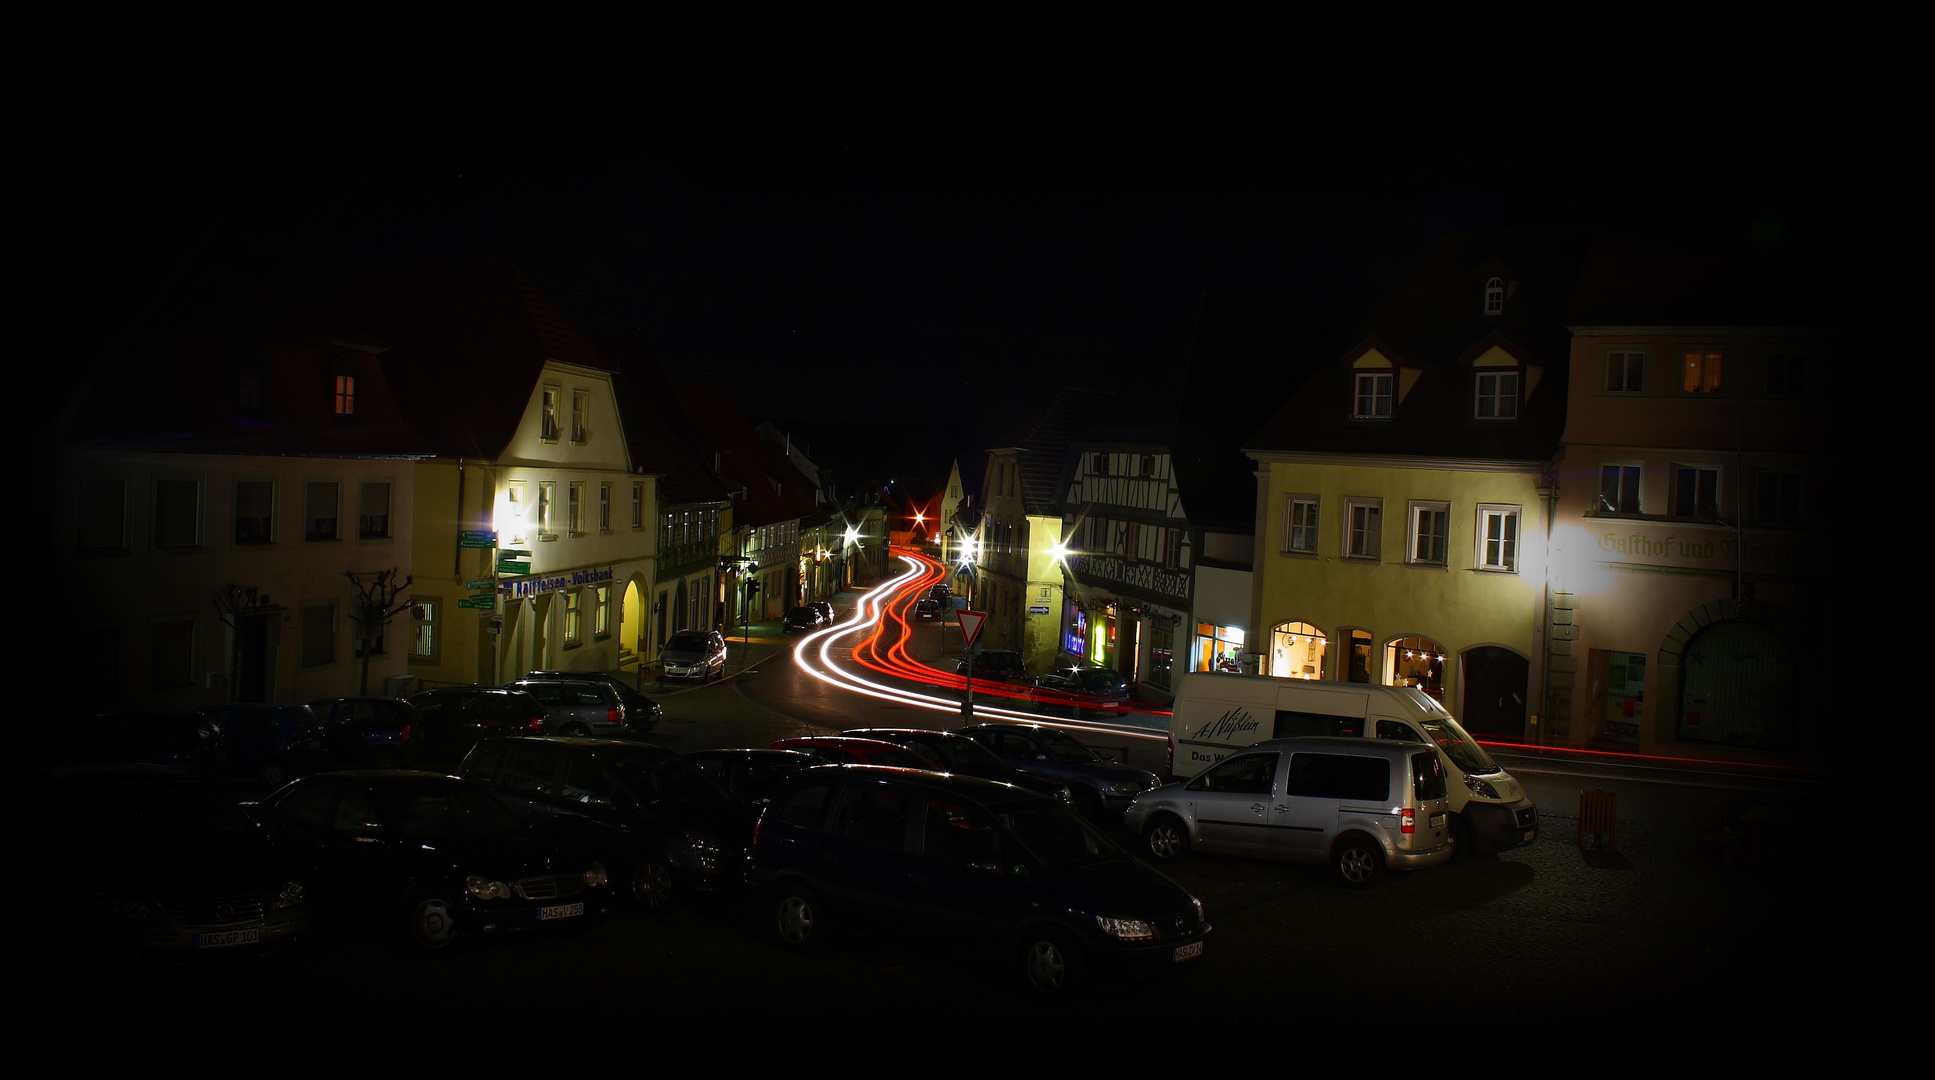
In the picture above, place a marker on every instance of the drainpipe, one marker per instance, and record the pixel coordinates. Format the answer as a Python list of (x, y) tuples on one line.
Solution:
[(1548, 502)]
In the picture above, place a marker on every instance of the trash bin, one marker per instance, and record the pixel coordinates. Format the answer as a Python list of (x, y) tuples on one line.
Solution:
[(1599, 817)]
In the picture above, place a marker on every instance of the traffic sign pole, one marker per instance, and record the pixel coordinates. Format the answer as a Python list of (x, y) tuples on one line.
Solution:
[(971, 622)]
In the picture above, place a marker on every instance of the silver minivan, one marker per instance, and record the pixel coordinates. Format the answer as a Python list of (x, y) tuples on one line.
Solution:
[(1361, 805)]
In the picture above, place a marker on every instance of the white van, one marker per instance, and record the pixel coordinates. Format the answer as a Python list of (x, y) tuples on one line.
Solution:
[(1217, 714)]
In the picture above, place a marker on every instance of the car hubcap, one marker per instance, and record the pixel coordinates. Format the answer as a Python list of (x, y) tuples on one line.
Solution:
[(433, 924), (795, 920), (1357, 864), (652, 886), (1163, 842), (1046, 969)]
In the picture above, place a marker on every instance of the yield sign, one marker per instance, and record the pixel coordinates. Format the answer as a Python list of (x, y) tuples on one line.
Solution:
[(970, 625)]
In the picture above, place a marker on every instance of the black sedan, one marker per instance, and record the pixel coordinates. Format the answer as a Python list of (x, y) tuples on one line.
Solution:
[(435, 855)]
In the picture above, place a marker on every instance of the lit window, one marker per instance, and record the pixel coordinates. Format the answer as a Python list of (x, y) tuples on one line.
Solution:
[(1498, 538), (1430, 529), (601, 612), (1618, 489), (1625, 372), (1696, 492), (572, 615), (1702, 372), (580, 412), (1363, 536), (1494, 296), (1497, 396), (548, 418), (1373, 397), (345, 395)]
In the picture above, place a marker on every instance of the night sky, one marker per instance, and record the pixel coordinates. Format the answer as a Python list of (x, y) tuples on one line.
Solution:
[(940, 267)]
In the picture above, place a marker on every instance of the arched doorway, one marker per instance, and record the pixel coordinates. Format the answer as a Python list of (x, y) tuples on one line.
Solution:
[(1737, 687), (1495, 687), (1415, 661), (1298, 651), (631, 626)]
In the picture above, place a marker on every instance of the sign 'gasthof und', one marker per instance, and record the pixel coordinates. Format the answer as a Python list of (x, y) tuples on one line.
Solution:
[(533, 586)]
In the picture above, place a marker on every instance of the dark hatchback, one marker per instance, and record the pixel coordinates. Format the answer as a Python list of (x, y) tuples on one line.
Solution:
[(146, 862), (1101, 786), (434, 855), (646, 812), (983, 867), (750, 775), (962, 755)]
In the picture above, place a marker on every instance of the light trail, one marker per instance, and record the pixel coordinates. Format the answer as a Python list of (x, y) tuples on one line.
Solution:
[(882, 614)]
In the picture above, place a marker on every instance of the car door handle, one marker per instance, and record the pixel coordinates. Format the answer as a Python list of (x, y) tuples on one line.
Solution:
[(1256, 808)]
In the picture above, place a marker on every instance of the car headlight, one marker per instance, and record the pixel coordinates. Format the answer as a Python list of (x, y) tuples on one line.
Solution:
[(1125, 929), (1481, 788), (1124, 787), (1066, 796), (291, 895), (595, 877), (487, 890)]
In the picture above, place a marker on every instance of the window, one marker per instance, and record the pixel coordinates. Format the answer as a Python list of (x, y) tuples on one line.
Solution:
[(548, 417), (1702, 372), (1300, 524), (319, 511), (1498, 538), (514, 495), (546, 492), (604, 507), (1786, 374), (1363, 533), (1696, 492), (577, 508), (1777, 497), (1373, 399), (254, 511), (1494, 296), (1497, 396), (601, 612), (1618, 489), (1625, 372), (345, 395), (373, 520), (573, 614), (171, 655), (318, 635), (104, 515), (178, 513), (423, 629), (580, 412), (1430, 529), (638, 506)]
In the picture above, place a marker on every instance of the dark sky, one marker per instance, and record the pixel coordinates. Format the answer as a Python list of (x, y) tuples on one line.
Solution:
[(945, 264)]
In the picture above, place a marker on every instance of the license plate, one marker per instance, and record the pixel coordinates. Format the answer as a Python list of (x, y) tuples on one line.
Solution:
[(1531, 835), (562, 911), (1437, 821), (1187, 952), (226, 938)]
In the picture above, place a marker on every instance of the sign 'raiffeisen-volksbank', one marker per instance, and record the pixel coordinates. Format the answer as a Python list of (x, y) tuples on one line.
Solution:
[(533, 586)]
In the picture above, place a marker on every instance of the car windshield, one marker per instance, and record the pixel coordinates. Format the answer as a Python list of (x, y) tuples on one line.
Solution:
[(1461, 748), (158, 811), (964, 755), (1059, 838), (1067, 750), (687, 642), (668, 781), (426, 813)]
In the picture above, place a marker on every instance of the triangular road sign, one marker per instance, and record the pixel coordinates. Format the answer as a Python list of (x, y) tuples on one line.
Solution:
[(970, 625)]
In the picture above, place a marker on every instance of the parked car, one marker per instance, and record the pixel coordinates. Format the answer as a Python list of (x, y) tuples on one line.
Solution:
[(188, 741), (1084, 686), (455, 717), (839, 750), (1361, 805), (641, 712), (144, 861), (644, 811), (694, 654), (751, 776), (825, 609), (270, 744), (434, 855), (801, 620), (365, 731), (576, 708), (962, 755), (1003, 664), (927, 608), (984, 867), (1100, 786)]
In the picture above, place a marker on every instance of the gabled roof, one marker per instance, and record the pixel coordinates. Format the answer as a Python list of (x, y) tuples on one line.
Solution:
[(662, 439), (1686, 287), (1045, 443), (775, 491), (469, 338), (1433, 323), (179, 385)]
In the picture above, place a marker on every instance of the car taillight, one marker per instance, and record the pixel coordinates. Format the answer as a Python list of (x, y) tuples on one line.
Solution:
[(404, 735), (614, 715), (535, 723), (1410, 821)]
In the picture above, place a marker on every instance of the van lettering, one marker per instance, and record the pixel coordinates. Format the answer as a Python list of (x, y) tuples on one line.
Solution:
[(1237, 721)]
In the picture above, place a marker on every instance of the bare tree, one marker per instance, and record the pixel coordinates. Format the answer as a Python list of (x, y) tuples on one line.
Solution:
[(377, 602)]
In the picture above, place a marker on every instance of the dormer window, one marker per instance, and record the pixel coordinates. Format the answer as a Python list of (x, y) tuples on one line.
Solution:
[(345, 395), (1497, 397), (1495, 296), (1372, 400)]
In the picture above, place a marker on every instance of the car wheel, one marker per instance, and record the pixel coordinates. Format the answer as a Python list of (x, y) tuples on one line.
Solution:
[(1358, 859), (576, 729), (272, 774), (798, 918), (1051, 963), (433, 925), (1166, 838), (651, 885)]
